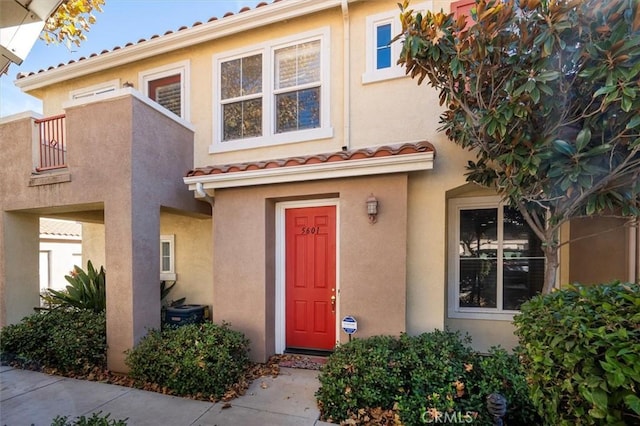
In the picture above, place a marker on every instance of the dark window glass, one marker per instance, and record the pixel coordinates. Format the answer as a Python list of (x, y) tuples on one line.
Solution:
[(481, 254)]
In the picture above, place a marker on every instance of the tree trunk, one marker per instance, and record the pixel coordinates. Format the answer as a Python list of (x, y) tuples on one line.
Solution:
[(551, 264)]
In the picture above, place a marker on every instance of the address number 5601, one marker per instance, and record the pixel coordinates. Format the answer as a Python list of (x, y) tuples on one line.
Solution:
[(306, 230)]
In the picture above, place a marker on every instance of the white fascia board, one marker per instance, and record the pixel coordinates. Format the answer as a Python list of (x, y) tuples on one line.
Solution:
[(330, 170), (223, 27)]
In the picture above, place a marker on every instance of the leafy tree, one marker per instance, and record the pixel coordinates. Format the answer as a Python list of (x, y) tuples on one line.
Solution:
[(546, 93), (71, 21)]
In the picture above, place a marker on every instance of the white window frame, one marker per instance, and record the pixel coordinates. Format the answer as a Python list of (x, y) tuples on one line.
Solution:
[(372, 74), (454, 310), (91, 92), (184, 69), (170, 274), (269, 136)]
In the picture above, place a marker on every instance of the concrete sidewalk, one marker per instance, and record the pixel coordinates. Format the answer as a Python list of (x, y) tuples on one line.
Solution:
[(30, 398)]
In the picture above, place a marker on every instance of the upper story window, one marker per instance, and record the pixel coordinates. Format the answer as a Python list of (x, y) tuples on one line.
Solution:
[(297, 87), (463, 7), (496, 262), (95, 90), (381, 54), (383, 45), (167, 92), (274, 93), (168, 86), (241, 97)]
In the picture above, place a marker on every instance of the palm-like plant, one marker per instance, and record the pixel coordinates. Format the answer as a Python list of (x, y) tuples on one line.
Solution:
[(86, 290)]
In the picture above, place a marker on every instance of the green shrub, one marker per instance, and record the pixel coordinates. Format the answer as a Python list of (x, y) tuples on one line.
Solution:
[(96, 419), (69, 340), (86, 290), (581, 351), (362, 373), (192, 359), (418, 375)]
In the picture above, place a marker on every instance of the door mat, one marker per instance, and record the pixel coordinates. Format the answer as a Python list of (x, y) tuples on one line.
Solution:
[(306, 362)]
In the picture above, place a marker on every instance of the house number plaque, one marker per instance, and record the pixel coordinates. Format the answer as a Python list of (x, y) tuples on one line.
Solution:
[(307, 230)]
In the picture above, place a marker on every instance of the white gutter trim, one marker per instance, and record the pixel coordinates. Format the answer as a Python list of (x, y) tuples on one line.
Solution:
[(330, 170), (223, 27)]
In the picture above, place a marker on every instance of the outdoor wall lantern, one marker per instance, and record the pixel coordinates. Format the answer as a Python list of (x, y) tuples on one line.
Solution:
[(372, 209)]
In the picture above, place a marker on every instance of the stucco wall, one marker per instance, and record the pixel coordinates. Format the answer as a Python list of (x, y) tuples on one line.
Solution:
[(93, 243), (19, 240), (126, 164), (193, 257), (601, 252), (485, 333), (372, 258)]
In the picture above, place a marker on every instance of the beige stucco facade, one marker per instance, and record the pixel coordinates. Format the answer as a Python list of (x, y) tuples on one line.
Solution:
[(125, 189), (127, 161)]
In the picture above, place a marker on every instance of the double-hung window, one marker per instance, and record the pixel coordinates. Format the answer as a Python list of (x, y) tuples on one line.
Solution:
[(297, 87), (241, 97), (277, 92), (496, 261)]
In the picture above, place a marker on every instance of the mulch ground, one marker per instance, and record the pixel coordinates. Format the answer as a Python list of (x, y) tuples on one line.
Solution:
[(364, 417), (255, 371)]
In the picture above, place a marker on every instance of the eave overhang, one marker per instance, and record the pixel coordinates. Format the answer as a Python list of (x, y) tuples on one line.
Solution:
[(276, 12), (375, 161)]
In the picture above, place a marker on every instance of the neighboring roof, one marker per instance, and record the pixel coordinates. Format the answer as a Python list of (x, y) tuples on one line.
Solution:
[(60, 228), (229, 24), (398, 158)]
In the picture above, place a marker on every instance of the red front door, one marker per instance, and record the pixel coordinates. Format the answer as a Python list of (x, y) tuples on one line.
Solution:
[(310, 277)]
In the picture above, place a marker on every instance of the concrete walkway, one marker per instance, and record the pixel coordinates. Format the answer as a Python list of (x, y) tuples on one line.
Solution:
[(30, 398)]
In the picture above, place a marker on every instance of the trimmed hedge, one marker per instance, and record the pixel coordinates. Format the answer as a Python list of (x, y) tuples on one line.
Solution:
[(191, 359), (420, 376), (581, 352), (68, 340)]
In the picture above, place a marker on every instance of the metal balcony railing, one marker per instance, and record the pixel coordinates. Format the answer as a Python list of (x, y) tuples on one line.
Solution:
[(52, 144)]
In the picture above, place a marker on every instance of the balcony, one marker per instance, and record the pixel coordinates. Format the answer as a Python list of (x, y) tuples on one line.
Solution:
[(96, 149), (51, 143)]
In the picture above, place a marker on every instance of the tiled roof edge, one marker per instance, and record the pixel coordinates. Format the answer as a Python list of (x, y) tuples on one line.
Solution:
[(22, 75), (356, 154)]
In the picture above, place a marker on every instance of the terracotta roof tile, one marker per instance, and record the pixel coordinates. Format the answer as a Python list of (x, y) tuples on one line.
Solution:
[(356, 154), (142, 40)]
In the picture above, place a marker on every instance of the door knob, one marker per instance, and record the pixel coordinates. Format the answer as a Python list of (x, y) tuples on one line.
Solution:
[(333, 303)]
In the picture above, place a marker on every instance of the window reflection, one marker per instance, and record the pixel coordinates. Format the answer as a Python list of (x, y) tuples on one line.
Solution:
[(517, 255)]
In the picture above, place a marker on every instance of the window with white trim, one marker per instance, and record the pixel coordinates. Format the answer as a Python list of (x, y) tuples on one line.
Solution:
[(168, 86), (277, 92), (95, 90), (167, 257), (381, 54), (496, 261)]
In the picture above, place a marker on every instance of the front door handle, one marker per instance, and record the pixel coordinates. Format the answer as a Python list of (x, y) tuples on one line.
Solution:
[(333, 303)]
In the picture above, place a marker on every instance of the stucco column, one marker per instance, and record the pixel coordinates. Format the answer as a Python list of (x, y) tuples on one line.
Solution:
[(19, 266), (132, 241)]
